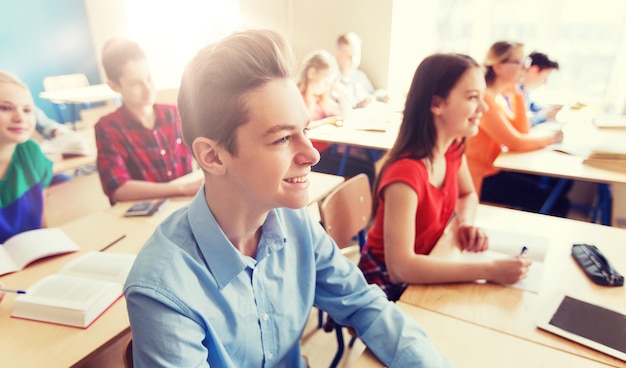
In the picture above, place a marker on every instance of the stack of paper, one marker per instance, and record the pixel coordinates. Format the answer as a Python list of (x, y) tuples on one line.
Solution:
[(610, 122), (608, 157)]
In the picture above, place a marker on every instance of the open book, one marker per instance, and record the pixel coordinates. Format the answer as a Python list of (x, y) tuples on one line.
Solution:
[(21, 249), (506, 244), (79, 293)]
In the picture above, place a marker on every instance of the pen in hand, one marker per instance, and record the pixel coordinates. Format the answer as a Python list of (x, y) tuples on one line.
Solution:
[(523, 251), (13, 291)]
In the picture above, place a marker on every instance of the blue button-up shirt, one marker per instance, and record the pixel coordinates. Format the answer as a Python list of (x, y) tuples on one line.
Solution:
[(194, 300)]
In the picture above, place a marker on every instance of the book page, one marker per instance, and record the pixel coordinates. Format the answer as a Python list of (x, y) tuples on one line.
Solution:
[(31, 245), (507, 244), (66, 300), (113, 267), (67, 292), (7, 265)]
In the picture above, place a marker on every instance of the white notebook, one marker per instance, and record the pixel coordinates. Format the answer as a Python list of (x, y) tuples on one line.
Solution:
[(509, 244)]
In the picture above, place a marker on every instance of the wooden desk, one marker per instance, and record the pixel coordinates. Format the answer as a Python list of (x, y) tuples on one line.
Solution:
[(372, 127), (74, 199), (512, 311), (79, 96), (580, 136), (89, 94), (470, 345), (60, 164), (557, 164), (25, 343)]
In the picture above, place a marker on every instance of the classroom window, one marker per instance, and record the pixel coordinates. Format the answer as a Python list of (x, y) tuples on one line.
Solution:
[(588, 39), (172, 31)]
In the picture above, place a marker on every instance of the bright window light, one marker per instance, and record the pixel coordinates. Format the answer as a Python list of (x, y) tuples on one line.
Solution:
[(172, 31)]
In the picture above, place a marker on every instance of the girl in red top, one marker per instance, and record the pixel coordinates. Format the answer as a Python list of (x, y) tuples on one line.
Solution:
[(425, 180)]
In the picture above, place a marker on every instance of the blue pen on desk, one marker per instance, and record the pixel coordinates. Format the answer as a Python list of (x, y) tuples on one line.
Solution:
[(12, 291), (523, 251)]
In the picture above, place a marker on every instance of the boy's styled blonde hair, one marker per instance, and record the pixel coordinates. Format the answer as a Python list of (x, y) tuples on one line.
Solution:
[(212, 100)]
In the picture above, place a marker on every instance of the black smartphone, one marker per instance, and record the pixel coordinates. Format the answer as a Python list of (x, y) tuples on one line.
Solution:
[(145, 208)]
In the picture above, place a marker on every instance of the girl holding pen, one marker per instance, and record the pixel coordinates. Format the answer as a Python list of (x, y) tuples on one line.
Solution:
[(425, 181)]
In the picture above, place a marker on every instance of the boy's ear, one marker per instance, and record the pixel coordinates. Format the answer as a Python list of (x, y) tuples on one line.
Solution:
[(114, 86), (436, 105), (207, 152)]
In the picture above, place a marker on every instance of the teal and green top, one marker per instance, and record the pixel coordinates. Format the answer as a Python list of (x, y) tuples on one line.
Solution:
[(21, 190)]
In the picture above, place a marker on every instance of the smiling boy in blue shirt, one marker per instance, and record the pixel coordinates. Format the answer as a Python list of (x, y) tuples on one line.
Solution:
[(230, 280)]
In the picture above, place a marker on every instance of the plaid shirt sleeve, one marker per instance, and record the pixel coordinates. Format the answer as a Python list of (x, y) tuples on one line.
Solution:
[(129, 151)]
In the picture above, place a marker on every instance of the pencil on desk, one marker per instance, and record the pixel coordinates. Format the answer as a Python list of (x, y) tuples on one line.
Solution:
[(113, 243)]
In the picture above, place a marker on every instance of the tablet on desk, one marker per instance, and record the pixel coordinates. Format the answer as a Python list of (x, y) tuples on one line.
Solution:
[(145, 208), (588, 324)]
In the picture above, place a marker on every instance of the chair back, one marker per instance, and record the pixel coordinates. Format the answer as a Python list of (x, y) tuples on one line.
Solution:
[(65, 81), (346, 211)]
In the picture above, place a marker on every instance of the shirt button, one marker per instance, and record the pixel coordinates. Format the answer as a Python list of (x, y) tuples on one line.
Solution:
[(270, 356), (169, 173), (178, 141), (162, 152), (265, 316)]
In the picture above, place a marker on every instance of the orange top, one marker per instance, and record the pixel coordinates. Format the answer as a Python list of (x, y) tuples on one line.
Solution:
[(483, 148)]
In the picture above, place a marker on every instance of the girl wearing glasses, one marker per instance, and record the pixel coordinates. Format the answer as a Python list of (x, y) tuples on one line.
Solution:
[(505, 126)]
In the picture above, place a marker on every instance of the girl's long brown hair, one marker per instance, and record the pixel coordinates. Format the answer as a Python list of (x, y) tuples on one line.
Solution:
[(435, 76)]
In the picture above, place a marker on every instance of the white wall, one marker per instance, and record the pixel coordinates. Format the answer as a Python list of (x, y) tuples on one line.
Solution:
[(170, 31), (317, 24), (107, 19), (308, 25)]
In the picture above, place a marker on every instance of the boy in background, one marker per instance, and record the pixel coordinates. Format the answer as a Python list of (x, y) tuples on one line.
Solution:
[(230, 280), (358, 86), (140, 145), (536, 76)]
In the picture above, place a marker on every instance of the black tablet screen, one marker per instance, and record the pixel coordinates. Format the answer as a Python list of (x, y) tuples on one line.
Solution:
[(593, 322)]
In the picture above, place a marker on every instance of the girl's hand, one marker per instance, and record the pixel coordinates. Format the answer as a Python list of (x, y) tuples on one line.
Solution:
[(472, 238), (509, 270)]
